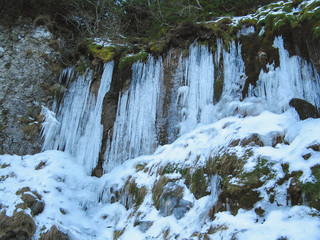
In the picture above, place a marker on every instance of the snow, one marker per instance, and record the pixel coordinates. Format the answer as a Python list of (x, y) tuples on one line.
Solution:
[(64, 184), (87, 207)]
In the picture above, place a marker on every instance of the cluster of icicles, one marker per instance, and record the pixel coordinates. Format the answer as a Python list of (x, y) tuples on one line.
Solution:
[(75, 125)]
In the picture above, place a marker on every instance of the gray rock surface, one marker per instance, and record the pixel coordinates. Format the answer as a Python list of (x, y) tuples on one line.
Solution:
[(172, 202), (29, 66)]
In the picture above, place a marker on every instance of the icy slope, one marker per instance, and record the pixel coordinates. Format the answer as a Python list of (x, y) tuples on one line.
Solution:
[(85, 207)]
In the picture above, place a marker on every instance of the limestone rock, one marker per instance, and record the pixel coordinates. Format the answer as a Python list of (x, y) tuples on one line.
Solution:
[(28, 67), (171, 201)]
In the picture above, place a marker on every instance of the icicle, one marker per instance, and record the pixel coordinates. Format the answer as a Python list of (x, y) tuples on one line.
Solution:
[(134, 131), (89, 144), (218, 52), (294, 78), (234, 72), (79, 115), (50, 128), (65, 77), (196, 94)]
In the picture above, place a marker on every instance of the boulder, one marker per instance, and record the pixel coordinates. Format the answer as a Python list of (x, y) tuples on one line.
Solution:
[(304, 108), (33, 202), (171, 201)]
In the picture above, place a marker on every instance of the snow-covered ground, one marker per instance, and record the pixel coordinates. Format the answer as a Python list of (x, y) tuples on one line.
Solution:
[(79, 204), (86, 207)]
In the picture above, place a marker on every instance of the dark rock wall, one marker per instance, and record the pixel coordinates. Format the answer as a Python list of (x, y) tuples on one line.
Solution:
[(29, 68)]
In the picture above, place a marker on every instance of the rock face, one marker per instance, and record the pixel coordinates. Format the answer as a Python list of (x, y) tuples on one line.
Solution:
[(29, 67), (171, 201)]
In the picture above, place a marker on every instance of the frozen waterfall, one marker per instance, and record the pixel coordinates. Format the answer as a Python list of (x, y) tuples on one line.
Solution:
[(191, 101), (135, 128), (195, 96), (78, 128), (294, 78)]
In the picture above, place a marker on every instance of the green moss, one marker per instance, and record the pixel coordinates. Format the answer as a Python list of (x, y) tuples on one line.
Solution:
[(249, 199), (218, 87), (169, 168), (311, 189), (223, 29), (127, 61), (287, 9), (185, 53), (106, 54), (247, 22), (140, 167), (138, 193), (82, 68), (199, 184), (224, 21), (316, 31), (157, 47)]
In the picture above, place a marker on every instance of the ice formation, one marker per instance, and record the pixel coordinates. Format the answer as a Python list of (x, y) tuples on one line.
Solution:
[(77, 128), (134, 131)]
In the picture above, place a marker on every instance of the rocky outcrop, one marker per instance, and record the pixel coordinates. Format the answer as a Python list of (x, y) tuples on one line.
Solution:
[(304, 108), (172, 202), (54, 234), (29, 67), (20, 226), (31, 200)]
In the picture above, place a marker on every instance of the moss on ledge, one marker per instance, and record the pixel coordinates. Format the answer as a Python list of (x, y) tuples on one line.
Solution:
[(126, 62), (105, 54)]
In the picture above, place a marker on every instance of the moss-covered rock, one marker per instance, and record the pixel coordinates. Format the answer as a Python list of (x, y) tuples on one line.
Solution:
[(137, 193), (242, 191), (199, 184), (105, 54), (311, 189), (126, 62)]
